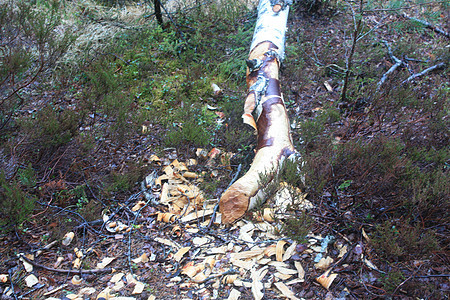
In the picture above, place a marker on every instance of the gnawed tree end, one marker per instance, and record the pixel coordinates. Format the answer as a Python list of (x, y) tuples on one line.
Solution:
[(264, 103)]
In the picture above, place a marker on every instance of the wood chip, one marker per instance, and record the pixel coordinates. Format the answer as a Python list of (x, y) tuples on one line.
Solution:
[(326, 279), (191, 270), (270, 250), (300, 270), (31, 280), (257, 285), (118, 286), (324, 263), (138, 206), (289, 251), (280, 250), (247, 265), (28, 267), (76, 280), (200, 241), (116, 277), (217, 250), (196, 215), (234, 295), (141, 259), (105, 261), (328, 86), (167, 242), (67, 239), (282, 276), (180, 253), (294, 281), (286, 270), (76, 263), (286, 291), (56, 290), (86, 291), (247, 254), (138, 288)]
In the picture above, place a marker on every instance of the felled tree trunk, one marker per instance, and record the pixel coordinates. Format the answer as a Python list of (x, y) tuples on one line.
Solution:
[(265, 104)]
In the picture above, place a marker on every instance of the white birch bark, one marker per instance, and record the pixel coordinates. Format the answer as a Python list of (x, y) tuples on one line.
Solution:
[(264, 110)]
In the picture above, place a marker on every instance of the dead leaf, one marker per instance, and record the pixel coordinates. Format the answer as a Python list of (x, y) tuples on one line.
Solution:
[(285, 291), (369, 264), (364, 234)]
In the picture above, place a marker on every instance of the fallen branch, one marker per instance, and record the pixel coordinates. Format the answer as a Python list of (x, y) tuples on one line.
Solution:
[(428, 25), (397, 64), (264, 103), (412, 77), (37, 265)]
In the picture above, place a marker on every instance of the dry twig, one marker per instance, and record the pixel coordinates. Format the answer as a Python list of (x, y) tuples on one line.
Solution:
[(37, 265)]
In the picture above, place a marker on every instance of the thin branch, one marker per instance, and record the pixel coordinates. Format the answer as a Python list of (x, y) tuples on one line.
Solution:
[(405, 7), (412, 77), (37, 265), (397, 64)]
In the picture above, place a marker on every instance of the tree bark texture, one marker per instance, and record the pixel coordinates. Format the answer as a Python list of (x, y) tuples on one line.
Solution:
[(264, 110)]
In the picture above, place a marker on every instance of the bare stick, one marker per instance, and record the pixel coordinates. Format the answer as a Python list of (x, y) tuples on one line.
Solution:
[(428, 25), (412, 77), (397, 64)]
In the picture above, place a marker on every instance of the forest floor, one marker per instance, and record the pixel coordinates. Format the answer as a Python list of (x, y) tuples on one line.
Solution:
[(129, 212)]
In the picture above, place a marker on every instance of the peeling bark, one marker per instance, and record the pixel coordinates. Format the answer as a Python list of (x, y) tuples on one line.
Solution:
[(264, 103)]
